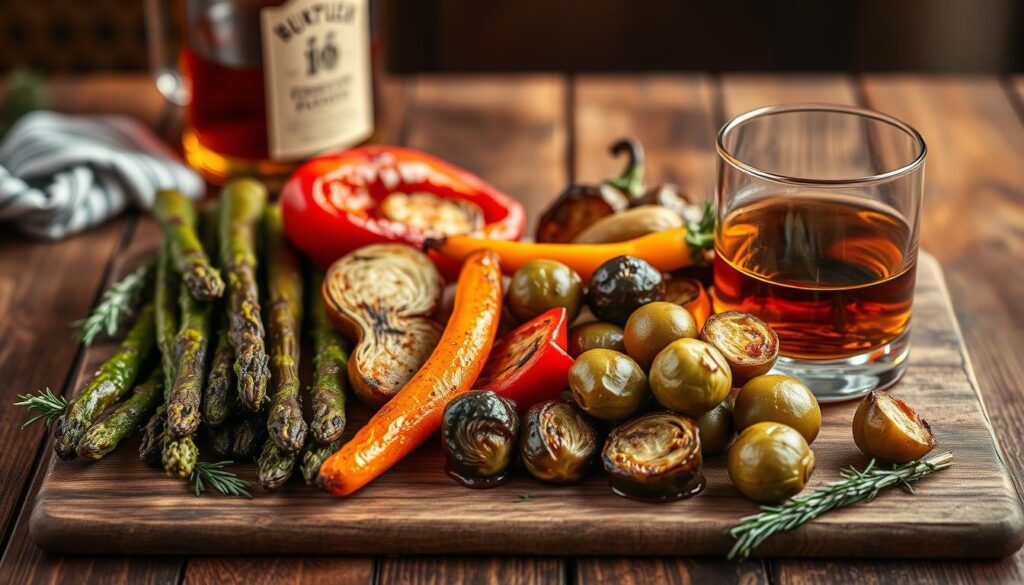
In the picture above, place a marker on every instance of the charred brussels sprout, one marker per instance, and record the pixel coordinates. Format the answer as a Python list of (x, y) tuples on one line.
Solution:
[(770, 462), (655, 457), (622, 285), (479, 432), (748, 344), (557, 443)]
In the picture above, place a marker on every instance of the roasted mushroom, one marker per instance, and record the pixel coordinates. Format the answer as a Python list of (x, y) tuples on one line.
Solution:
[(541, 285), (781, 399), (608, 385), (748, 344), (690, 376), (653, 326), (557, 442), (384, 296), (479, 431), (656, 457), (595, 335), (579, 206), (770, 462), (622, 285), (888, 429), (671, 197)]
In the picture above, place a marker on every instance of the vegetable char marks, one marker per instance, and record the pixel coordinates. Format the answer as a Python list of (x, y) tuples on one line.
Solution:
[(385, 296)]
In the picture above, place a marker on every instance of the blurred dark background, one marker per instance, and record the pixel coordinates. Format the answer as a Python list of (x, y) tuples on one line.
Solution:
[(582, 35)]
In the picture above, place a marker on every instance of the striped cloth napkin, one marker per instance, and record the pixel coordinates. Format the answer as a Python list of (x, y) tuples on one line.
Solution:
[(61, 174)]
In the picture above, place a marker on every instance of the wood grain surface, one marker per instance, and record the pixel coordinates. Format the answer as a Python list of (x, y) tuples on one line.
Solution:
[(974, 130)]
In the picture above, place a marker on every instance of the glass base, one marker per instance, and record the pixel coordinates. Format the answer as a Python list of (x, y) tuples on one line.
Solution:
[(842, 379)]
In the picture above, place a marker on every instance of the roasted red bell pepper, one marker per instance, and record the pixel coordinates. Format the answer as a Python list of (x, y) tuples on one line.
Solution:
[(336, 203), (530, 363)]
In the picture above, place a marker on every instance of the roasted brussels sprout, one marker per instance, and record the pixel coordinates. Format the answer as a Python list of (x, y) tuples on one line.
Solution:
[(750, 346), (716, 429), (622, 285), (608, 385), (595, 335), (655, 457), (557, 443), (653, 326), (479, 431), (888, 429), (781, 399), (770, 462), (690, 376), (542, 285)]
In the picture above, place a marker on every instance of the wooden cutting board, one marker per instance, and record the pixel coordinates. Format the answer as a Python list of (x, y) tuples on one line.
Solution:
[(971, 510)]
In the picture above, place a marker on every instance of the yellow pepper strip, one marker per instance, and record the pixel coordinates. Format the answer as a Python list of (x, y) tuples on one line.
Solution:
[(665, 250)]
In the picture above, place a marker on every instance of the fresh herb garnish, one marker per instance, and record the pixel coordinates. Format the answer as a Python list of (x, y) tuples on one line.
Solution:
[(857, 486), (118, 302), (48, 406), (526, 497), (700, 235), (224, 482)]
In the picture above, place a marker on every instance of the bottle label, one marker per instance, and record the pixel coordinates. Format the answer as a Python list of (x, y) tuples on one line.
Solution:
[(319, 86)]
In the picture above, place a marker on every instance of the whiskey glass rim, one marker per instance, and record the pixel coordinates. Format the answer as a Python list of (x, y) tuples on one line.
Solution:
[(916, 163)]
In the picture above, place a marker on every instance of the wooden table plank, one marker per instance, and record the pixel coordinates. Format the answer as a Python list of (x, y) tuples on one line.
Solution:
[(416, 570), (280, 571), (674, 118)]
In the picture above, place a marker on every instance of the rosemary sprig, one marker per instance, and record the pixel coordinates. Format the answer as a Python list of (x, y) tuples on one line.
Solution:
[(118, 302), (48, 406), (223, 481), (856, 486)]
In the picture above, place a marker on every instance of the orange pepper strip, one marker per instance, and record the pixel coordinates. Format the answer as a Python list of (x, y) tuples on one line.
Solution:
[(415, 412), (666, 250)]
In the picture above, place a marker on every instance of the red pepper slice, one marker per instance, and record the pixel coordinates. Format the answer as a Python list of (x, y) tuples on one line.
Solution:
[(530, 364), (334, 204)]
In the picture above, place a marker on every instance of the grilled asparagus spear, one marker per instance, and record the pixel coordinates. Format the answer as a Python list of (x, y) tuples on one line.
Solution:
[(274, 465), (105, 435), (219, 440), (153, 435), (220, 384), (313, 456), (247, 437), (241, 209), (165, 295), (114, 378), (190, 347), (177, 217), (330, 360), (285, 424)]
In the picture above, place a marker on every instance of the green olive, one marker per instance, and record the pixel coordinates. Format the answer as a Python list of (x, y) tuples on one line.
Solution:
[(596, 335), (653, 326), (622, 285), (542, 285), (557, 443), (781, 399), (770, 462), (716, 429), (690, 376), (608, 385)]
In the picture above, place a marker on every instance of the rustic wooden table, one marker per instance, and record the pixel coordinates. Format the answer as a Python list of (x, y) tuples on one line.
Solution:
[(530, 136)]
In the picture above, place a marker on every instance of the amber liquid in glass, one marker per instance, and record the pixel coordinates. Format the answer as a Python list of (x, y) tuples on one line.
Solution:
[(831, 275)]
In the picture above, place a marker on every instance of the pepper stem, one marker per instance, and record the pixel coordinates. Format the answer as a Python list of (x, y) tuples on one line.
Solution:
[(700, 235), (631, 181)]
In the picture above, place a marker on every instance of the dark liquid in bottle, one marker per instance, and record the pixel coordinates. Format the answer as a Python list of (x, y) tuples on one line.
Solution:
[(832, 276)]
